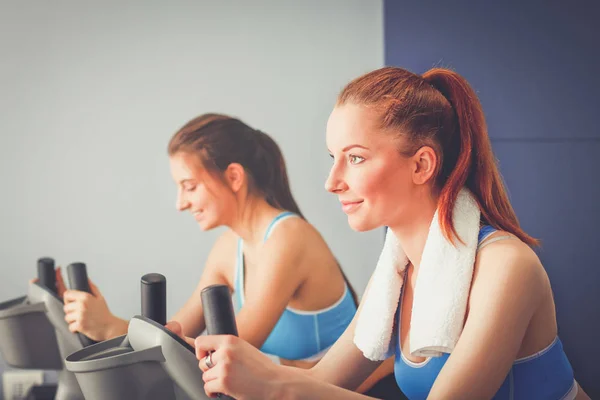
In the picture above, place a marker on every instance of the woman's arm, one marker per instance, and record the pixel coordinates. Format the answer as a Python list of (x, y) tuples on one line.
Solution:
[(357, 369), (344, 364), (88, 313), (507, 288), (191, 315), (243, 372)]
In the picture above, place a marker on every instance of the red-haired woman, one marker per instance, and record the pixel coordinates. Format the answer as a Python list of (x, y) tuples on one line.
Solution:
[(404, 148)]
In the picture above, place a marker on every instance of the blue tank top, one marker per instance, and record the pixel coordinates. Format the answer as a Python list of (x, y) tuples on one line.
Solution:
[(299, 335), (544, 375)]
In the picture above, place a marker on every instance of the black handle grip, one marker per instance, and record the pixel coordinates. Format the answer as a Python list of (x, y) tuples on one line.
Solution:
[(46, 274), (218, 314), (154, 297), (218, 310), (78, 280)]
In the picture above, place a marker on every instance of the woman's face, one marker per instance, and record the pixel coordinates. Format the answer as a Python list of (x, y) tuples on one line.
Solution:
[(200, 191), (372, 180)]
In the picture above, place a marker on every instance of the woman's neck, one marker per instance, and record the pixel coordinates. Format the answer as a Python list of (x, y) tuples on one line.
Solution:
[(252, 218), (412, 232)]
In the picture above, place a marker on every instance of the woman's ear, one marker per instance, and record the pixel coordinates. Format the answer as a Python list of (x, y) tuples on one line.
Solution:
[(424, 165), (235, 175)]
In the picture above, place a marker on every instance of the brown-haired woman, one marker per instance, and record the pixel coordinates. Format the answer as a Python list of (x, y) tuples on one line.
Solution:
[(293, 298)]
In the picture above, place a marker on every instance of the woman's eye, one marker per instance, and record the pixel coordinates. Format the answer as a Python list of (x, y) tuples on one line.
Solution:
[(189, 188), (354, 159)]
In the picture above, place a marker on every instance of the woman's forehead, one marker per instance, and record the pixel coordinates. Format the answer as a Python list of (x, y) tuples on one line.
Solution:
[(355, 124)]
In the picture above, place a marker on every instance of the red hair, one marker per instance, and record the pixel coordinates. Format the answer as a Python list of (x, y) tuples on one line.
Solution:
[(441, 110)]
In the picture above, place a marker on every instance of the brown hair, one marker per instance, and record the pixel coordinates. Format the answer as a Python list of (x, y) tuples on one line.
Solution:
[(219, 140), (441, 110)]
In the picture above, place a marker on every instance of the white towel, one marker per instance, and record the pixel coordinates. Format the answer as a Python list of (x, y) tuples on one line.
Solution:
[(373, 332), (441, 292)]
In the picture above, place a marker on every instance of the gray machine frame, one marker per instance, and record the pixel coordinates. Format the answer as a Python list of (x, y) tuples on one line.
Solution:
[(35, 335), (149, 363)]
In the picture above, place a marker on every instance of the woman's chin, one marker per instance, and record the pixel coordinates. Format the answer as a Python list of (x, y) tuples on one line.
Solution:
[(360, 224), (207, 225)]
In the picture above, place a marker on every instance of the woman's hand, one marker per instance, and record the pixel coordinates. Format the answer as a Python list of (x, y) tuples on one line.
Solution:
[(60, 283), (61, 288), (89, 314), (177, 329), (238, 369)]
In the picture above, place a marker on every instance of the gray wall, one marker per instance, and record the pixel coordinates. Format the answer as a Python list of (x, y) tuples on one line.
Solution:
[(535, 67), (91, 93)]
